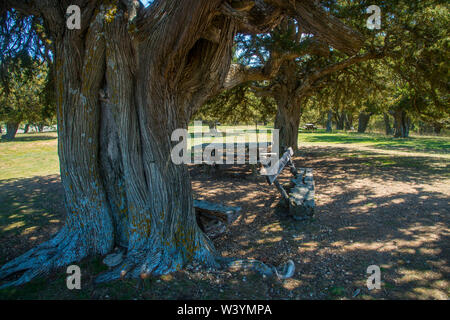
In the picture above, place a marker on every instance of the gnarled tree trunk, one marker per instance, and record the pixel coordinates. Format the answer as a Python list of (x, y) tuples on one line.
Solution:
[(402, 124), (363, 121), (287, 120), (125, 81), (11, 130), (329, 121), (387, 124), (114, 125)]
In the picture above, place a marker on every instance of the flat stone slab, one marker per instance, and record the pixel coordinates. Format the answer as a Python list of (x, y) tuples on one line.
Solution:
[(113, 259)]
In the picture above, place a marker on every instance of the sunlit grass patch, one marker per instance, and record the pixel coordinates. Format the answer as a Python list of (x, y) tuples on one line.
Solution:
[(29, 155)]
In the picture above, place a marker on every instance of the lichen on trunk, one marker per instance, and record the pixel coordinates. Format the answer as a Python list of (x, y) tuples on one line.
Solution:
[(114, 126)]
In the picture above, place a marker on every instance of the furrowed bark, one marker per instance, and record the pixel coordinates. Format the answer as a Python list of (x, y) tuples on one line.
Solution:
[(314, 19), (88, 229), (162, 230), (287, 120)]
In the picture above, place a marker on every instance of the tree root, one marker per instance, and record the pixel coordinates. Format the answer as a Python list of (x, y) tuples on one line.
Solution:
[(65, 248), (285, 272), (155, 260), (158, 263)]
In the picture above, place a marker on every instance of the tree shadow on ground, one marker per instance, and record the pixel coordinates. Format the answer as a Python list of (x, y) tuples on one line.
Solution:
[(30, 138), (371, 210), (422, 144), (368, 212), (31, 210)]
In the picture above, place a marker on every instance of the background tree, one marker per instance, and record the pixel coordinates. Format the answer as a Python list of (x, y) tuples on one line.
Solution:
[(22, 99), (416, 47), (238, 105), (24, 48)]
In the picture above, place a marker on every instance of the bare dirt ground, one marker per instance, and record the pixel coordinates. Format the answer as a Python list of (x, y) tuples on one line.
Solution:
[(373, 208), (386, 210)]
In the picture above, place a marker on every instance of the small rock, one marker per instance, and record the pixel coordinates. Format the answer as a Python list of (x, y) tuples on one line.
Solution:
[(113, 259)]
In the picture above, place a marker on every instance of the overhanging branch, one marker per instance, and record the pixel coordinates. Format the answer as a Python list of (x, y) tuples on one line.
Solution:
[(239, 74), (310, 80), (314, 19)]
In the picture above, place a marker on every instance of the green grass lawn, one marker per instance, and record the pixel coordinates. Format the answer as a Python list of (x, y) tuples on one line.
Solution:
[(35, 154), (29, 155), (427, 144)]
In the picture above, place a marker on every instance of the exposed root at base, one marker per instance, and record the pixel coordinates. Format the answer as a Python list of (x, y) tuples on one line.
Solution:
[(156, 260), (62, 250), (284, 272), (65, 249)]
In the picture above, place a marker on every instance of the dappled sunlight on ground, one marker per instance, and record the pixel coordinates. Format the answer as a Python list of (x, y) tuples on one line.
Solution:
[(373, 207), (31, 211), (381, 213)]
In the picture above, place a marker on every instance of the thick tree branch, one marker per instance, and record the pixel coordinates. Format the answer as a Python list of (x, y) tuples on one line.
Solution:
[(308, 83), (27, 7), (314, 19), (252, 16), (239, 74)]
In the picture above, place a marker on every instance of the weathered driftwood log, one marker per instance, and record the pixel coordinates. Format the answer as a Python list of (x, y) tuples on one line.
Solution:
[(214, 218)]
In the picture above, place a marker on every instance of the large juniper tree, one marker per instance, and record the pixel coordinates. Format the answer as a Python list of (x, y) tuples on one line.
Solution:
[(124, 81)]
